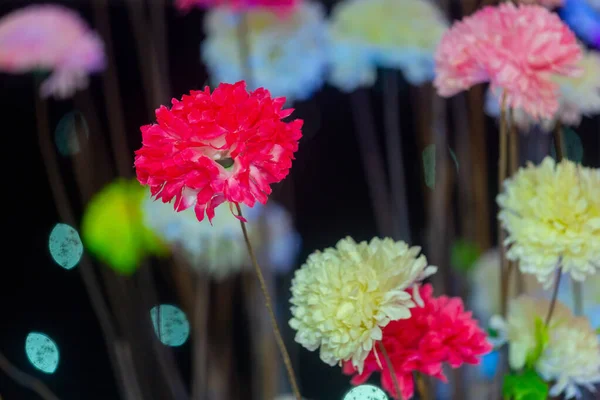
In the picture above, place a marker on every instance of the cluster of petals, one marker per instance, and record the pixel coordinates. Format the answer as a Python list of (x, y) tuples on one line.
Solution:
[(578, 97), (366, 34), (438, 332), (113, 227), (226, 146), (551, 213), (571, 357), (218, 250), (518, 49), (286, 56), (583, 16), (277, 5), (344, 296), (50, 38)]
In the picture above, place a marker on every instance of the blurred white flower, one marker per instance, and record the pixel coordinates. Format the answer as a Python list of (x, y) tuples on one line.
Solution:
[(387, 33), (287, 55), (578, 97), (219, 249)]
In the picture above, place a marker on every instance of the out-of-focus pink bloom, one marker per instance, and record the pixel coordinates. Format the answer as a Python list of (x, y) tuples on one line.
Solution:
[(516, 48), (439, 331), (50, 37), (276, 5)]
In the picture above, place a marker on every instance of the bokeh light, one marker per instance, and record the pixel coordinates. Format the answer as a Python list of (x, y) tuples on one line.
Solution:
[(65, 246), (71, 128), (174, 325), (366, 392), (42, 352)]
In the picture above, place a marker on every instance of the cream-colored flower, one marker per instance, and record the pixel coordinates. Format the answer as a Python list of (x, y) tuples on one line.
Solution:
[(344, 296), (388, 33), (579, 96), (552, 215), (219, 250), (571, 358), (287, 55)]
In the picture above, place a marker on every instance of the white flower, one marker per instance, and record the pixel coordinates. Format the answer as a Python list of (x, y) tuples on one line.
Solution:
[(287, 55), (219, 249)]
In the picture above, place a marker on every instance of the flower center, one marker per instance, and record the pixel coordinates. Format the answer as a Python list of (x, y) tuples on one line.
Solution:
[(225, 162)]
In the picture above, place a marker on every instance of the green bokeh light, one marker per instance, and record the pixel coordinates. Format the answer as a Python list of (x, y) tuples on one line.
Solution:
[(174, 325), (366, 392), (65, 246), (42, 352)]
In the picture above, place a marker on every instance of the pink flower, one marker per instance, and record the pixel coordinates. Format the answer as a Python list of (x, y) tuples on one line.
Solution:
[(277, 5), (50, 37), (230, 145), (440, 331), (516, 48)]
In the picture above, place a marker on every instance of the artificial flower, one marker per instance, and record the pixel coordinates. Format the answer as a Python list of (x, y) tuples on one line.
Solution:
[(344, 296), (578, 97), (286, 56), (516, 48), (569, 356), (583, 19), (113, 227), (228, 146), (50, 37), (551, 213), (440, 331), (276, 5), (388, 33), (219, 250)]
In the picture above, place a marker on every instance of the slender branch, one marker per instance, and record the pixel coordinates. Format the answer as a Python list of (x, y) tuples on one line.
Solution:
[(502, 167), (245, 49), (514, 167), (391, 369), (26, 380), (554, 295), (269, 304), (395, 159), (559, 144), (577, 297), (200, 342)]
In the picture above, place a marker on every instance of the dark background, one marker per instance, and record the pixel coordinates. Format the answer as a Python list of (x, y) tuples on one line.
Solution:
[(331, 201)]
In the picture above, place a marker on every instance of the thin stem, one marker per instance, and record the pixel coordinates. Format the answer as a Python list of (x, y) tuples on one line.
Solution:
[(26, 380), (269, 304), (422, 386), (578, 298), (554, 296), (244, 49), (514, 166), (502, 167), (391, 369), (200, 365), (395, 159), (559, 144)]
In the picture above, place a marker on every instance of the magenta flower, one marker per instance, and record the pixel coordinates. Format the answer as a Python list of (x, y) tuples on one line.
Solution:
[(50, 37), (518, 49)]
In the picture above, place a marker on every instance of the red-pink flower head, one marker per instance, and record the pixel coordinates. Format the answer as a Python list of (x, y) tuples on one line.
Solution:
[(440, 331), (275, 5), (230, 145), (516, 48)]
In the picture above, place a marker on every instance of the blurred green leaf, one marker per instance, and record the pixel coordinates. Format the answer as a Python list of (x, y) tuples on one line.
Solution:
[(429, 165), (573, 146), (598, 330), (454, 158), (526, 386), (463, 255), (541, 340)]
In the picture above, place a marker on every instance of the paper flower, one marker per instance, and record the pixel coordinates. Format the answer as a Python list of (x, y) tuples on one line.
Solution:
[(579, 96), (219, 249), (207, 149), (50, 37), (438, 332), (276, 5), (551, 213), (286, 56), (113, 227), (583, 19), (516, 48), (344, 296), (570, 354), (388, 33)]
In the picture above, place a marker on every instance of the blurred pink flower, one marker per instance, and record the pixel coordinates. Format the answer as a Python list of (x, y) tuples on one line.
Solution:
[(50, 37), (438, 331), (516, 48), (276, 5)]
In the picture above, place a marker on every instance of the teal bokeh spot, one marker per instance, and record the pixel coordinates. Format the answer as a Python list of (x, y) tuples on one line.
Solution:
[(71, 129), (174, 325), (42, 352), (65, 246), (366, 392)]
